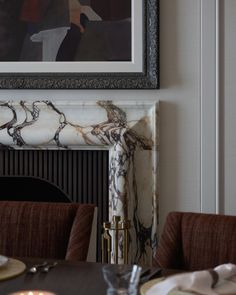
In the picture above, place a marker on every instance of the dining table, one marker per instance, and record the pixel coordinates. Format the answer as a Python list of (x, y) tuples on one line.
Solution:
[(66, 278)]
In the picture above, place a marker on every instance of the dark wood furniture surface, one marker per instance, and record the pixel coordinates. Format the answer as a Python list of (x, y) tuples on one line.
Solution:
[(67, 278)]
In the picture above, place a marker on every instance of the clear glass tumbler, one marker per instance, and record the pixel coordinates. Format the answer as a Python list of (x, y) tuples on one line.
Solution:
[(122, 279)]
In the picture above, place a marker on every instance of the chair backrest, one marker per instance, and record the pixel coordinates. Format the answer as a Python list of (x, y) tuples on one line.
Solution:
[(194, 241), (45, 230)]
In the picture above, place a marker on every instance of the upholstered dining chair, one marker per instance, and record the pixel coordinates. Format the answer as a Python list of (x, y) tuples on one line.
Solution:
[(45, 230), (194, 241)]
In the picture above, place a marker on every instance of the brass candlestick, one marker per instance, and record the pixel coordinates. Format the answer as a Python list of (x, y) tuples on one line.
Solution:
[(117, 226), (106, 243), (125, 225)]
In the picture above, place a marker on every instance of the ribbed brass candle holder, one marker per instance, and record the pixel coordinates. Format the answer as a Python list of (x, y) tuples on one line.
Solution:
[(110, 242)]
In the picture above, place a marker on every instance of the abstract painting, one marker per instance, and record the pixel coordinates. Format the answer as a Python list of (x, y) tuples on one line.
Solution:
[(78, 44), (65, 30)]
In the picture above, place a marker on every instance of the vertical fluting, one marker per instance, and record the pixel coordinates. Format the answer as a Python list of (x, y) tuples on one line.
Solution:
[(82, 175)]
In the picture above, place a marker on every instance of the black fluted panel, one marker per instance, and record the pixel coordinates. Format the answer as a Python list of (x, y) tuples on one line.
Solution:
[(82, 175)]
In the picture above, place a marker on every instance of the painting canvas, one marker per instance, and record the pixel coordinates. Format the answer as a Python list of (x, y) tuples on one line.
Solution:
[(79, 44), (65, 30)]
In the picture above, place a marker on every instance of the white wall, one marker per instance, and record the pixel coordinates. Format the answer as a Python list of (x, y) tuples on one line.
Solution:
[(180, 107), (180, 185)]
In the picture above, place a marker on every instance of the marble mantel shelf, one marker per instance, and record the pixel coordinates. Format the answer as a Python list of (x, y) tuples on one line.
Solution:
[(128, 129)]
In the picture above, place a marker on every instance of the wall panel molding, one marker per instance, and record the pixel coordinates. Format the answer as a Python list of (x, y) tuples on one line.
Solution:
[(210, 106)]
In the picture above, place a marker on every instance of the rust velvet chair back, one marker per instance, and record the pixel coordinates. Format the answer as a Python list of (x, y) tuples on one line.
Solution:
[(45, 230), (194, 241)]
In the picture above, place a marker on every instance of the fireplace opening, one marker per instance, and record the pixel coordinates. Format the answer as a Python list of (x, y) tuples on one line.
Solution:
[(57, 176), (28, 188)]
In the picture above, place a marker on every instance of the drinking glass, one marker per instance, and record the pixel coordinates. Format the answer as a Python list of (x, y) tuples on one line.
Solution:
[(121, 279)]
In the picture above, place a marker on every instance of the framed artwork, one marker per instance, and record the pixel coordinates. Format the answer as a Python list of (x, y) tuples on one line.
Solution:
[(79, 44)]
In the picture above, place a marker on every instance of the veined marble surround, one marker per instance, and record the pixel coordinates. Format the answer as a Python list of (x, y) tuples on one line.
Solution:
[(128, 129)]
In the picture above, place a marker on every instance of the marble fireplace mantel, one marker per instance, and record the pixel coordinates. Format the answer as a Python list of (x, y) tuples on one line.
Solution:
[(128, 129)]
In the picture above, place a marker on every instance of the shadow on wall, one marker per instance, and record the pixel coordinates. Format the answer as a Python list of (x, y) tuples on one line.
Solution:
[(169, 44), (169, 177), (169, 117)]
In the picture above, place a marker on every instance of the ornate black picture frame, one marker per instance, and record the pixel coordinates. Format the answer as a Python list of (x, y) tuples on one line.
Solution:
[(147, 78)]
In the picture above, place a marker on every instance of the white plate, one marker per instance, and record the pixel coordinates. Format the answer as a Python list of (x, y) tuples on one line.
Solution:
[(225, 287), (3, 260)]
